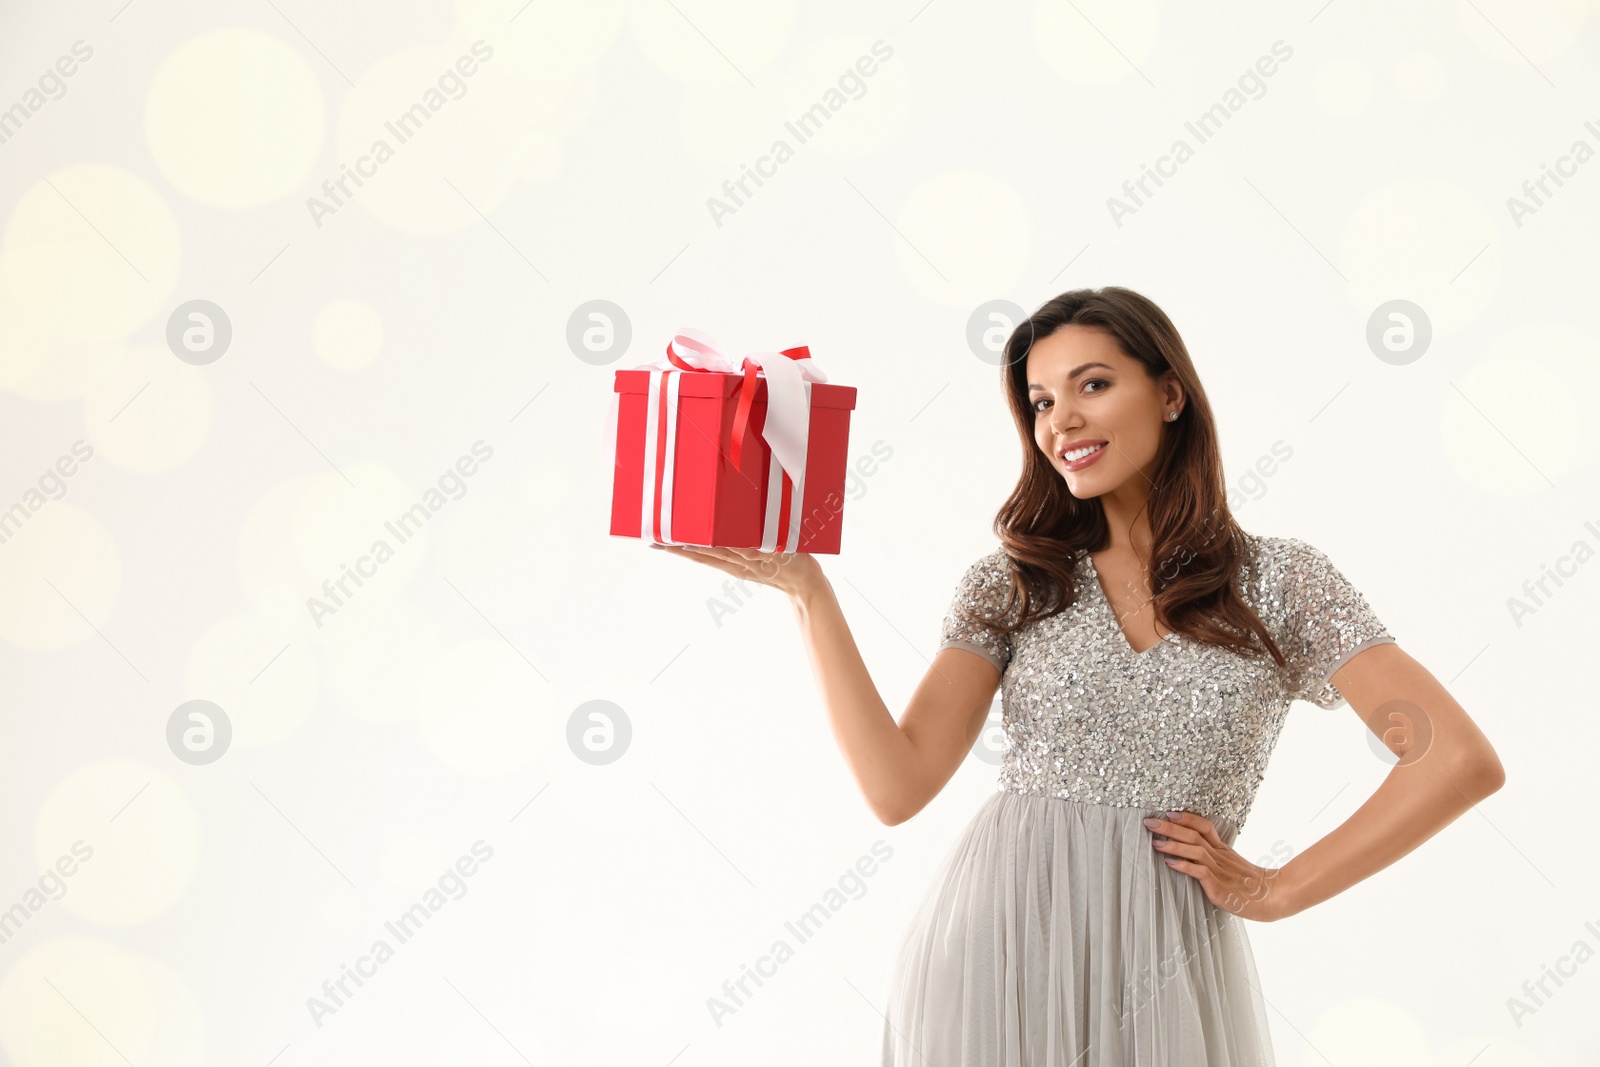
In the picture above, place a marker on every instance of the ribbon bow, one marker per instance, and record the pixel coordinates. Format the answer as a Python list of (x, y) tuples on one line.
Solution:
[(788, 408)]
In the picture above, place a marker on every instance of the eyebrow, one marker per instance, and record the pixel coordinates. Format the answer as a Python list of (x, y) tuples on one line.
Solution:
[(1076, 371)]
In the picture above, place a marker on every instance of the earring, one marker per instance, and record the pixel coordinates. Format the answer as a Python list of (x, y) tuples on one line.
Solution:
[(1171, 416)]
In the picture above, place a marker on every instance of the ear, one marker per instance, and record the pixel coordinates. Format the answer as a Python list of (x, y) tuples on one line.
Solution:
[(1171, 391)]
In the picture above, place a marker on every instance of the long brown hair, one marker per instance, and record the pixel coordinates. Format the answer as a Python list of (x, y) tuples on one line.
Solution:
[(1043, 528)]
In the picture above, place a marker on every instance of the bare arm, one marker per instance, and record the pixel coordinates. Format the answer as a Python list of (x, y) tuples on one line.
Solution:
[(1446, 766), (899, 767)]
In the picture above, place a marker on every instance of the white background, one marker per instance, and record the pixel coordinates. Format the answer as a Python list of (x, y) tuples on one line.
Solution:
[(431, 310)]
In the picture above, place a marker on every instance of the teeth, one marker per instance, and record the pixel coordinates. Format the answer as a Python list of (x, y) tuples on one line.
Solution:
[(1077, 454)]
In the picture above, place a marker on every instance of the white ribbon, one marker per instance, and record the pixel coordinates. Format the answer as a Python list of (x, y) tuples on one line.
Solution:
[(787, 429)]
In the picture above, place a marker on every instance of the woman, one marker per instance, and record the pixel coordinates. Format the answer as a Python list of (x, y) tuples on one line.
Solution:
[(1146, 649)]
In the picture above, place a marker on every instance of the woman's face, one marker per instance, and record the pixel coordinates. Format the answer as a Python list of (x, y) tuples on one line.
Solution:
[(1086, 394)]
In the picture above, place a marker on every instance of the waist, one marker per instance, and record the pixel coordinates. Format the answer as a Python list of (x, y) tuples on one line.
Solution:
[(1135, 807)]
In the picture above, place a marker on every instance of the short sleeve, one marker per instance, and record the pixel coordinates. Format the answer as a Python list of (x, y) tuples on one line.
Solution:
[(982, 590), (1326, 620)]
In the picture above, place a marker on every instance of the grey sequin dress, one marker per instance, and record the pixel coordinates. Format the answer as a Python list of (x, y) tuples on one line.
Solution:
[(1054, 935)]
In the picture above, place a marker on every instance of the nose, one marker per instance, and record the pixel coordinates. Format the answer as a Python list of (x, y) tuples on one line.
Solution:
[(1063, 419)]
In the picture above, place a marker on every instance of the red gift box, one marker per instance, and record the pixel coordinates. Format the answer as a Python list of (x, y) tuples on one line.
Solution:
[(728, 464)]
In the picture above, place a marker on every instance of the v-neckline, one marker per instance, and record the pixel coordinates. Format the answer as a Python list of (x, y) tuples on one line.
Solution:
[(1111, 614)]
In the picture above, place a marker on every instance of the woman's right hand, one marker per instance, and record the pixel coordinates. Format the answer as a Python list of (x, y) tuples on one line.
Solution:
[(795, 573)]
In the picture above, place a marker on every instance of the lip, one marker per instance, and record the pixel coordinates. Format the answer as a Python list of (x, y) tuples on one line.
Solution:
[(1078, 465)]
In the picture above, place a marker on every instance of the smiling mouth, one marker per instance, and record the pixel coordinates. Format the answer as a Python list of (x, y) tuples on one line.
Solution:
[(1079, 458), (1076, 454)]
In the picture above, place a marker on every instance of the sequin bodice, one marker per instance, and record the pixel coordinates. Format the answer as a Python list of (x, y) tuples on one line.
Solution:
[(1183, 725)]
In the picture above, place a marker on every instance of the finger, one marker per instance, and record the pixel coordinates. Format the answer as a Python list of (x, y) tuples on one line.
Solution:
[(768, 562), (1200, 873), (1173, 829), (738, 570), (1204, 826), (679, 550), (709, 552), (1178, 848), (756, 561)]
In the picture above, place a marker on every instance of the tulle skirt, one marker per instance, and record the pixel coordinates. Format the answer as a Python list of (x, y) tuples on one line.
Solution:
[(1055, 936)]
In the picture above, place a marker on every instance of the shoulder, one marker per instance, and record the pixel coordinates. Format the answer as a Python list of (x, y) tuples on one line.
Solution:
[(978, 612), (987, 576), (1295, 576), (1273, 569), (1280, 557), (991, 566)]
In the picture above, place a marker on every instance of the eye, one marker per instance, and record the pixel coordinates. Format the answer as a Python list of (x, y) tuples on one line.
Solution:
[(1102, 381), (1036, 403)]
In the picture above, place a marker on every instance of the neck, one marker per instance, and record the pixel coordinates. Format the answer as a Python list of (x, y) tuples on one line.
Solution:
[(1128, 518)]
